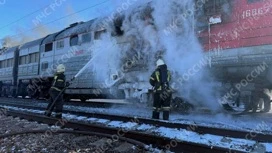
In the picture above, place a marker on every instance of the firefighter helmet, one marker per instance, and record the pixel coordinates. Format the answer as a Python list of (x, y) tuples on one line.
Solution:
[(160, 62), (60, 68)]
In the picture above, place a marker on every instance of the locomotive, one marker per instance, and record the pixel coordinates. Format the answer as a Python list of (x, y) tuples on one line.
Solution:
[(241, 31), (120, 51)]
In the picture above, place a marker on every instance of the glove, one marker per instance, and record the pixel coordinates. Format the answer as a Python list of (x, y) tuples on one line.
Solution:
[(67, 84), (73, 78)]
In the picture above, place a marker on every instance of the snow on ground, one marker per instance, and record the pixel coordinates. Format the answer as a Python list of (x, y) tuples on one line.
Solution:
[(256, 123), (178, 134)]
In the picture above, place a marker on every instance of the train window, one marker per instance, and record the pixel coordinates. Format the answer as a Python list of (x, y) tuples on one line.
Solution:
[(97, 34), (118, 26), (253, 1), (44, 66), (23, 60), (34, 58), (60, 44), (1, 64), (86, 38), (37, 57), (48, 47), (74, 40), (10, 62), (214, 7)]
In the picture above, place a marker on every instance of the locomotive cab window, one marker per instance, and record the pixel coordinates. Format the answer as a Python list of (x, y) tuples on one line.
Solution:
[(74, 40), (214, 7), (48, 47), (86, 38)]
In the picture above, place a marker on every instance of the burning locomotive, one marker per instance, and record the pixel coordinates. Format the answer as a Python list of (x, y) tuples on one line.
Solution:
[(121, 51)]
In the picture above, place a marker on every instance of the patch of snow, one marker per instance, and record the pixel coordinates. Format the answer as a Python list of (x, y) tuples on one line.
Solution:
[(115, 123)]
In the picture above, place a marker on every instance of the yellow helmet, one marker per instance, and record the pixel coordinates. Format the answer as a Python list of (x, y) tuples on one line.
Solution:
[(60, 68)]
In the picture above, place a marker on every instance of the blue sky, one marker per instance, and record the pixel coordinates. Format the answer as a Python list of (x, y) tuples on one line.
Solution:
[(13, 10)]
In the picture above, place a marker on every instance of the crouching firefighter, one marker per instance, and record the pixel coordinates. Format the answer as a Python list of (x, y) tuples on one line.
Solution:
[(162, 92), (56, 92)]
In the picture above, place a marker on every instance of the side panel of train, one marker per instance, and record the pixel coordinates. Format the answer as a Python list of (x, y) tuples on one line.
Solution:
[(239, 43), (8, 72), (245, 23), (75, 53), (73, 48)]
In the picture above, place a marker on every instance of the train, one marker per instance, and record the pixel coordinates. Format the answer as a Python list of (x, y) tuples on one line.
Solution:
[(242, 35), (113, 56)]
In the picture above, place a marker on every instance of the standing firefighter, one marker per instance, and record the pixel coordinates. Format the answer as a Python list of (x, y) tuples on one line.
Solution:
[(162, 93), (56, 92)]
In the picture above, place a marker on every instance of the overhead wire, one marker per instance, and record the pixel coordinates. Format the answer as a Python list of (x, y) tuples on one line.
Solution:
[(23, 17), (59, 19)]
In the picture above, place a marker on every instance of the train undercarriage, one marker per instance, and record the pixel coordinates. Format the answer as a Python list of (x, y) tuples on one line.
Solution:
[(245, 77)]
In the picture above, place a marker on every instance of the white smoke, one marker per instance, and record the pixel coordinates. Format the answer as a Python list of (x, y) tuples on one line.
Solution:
[(168, 33), (106, 55), (183, 51)]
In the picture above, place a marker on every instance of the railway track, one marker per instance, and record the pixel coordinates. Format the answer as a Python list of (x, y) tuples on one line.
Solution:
[(140, 137), (98, 142), (96, 103), (251, 135)]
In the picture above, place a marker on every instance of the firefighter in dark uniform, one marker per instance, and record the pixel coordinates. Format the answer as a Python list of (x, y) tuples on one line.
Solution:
[(162, 92), (1, 85), (56, 92)]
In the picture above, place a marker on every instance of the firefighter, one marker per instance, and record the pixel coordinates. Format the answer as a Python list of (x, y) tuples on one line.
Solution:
[(162, 92), (56, 92), (1, 85)]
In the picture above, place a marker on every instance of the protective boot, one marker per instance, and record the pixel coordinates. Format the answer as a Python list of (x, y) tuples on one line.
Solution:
[(47, 113), (155, 115), (165, 115), (58, 115)]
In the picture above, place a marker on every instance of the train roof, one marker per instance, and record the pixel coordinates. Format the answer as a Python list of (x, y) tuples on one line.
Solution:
[(32, 43), (50, 38), (76, 28), (8, 50), (12, 49)]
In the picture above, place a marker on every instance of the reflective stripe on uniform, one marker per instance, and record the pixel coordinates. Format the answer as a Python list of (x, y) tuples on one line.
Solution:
[(56, 88), (169, 76), (60, 80), (159, 88), (156, 109), (157, 76), (166, 108), (152, 78), (157, 73)]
